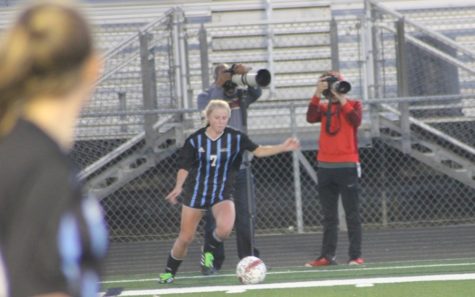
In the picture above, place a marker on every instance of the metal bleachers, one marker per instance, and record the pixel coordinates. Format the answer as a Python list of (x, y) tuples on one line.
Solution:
[(295, 40), (292, 39), (298, 52)]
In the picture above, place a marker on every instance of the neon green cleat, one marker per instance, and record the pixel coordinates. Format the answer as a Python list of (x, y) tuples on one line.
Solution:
[(207, 267), (166, 278)]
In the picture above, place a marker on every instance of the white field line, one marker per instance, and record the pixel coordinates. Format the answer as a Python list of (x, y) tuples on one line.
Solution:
[(303, 271), (325, 283)]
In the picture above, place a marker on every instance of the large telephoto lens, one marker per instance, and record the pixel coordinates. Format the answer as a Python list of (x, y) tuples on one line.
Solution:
[(261, 78), (342, 87)]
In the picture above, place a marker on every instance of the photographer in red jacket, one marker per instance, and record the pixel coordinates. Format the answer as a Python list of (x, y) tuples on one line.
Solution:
[(338, 164)]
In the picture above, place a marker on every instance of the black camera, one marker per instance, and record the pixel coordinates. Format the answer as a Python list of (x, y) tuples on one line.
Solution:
[(229, 87), (340, 86)]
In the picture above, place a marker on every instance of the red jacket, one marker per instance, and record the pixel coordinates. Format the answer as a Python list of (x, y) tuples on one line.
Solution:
[(343, 146)]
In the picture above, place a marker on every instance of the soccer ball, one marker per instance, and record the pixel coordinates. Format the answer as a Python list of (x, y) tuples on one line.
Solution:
[(251, 270)]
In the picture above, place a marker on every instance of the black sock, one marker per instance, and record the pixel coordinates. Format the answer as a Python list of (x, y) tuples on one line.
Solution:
[(172, 264), (211, 243)]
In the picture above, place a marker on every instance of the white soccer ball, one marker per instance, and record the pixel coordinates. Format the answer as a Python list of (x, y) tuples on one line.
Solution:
[(251, 270)]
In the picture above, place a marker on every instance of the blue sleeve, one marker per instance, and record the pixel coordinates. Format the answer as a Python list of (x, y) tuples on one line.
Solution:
[(203, 99), (253, 94)]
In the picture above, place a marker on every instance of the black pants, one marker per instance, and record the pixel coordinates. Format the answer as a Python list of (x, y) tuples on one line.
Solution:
[(331, 183), (242, 223)]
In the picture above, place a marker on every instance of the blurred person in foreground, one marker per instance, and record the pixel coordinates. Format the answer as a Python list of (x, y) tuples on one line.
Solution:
[(52, 237), (239, 99), (338, 164), (209, 162)]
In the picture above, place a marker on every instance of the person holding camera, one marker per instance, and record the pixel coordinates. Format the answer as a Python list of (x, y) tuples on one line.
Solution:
[(338, 164), (238, 99)]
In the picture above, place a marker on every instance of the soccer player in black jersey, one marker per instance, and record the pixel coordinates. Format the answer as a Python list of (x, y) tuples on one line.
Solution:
[(52, 236), (208, 164), (239, 99)]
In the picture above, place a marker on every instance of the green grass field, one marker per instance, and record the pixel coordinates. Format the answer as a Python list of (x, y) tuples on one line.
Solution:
[(447, 278)]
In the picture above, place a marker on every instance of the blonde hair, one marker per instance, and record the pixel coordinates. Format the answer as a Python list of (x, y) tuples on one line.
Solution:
[(42, 54), (216, 104)]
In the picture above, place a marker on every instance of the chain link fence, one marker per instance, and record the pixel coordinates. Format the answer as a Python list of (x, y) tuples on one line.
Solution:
[(396, 190), (416, 141)]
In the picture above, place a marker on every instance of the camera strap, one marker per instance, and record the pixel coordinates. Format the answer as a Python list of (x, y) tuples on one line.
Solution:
[(232, 69), (329, 118)]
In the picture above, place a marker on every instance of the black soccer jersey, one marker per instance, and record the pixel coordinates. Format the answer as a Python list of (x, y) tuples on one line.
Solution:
[(212, 165), (51, 235)]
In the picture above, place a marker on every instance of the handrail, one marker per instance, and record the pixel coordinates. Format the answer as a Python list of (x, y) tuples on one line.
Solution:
[(106, 159), (435, 51), (266, 22), (421, 98), (116, 68), (159, 19), (428, 31), (131, 38), (265, 105), (119, 150), (434, 131)]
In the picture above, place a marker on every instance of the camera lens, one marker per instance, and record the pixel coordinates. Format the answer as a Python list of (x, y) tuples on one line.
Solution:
[(342, 87)]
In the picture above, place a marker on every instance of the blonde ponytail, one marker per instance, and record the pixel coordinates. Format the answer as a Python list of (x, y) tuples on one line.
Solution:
[(41, 55)]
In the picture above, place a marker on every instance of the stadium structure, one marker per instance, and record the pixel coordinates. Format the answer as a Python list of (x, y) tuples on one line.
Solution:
[(412, 63)]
